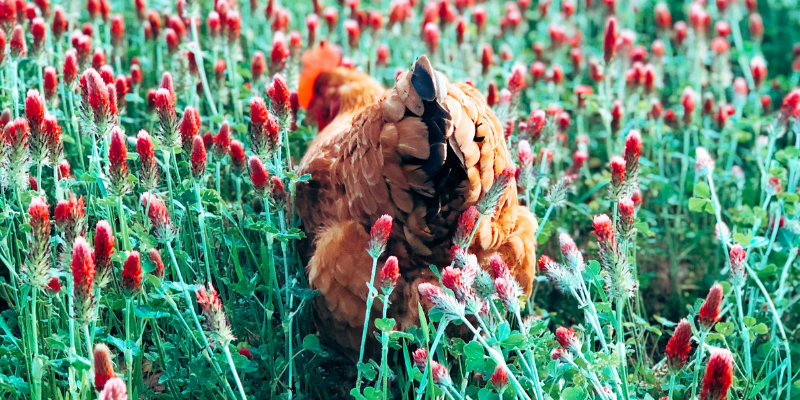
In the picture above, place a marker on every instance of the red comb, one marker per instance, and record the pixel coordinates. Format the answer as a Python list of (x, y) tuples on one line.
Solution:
[(324, 57)]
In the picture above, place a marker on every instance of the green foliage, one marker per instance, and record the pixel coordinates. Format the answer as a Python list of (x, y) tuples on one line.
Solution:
[(168, 343)]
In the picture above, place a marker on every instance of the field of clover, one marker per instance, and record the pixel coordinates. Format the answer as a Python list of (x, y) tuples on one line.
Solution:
[(148, 233)]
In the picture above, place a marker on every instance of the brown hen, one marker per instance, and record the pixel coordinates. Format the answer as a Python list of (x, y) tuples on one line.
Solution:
[(422, 152)]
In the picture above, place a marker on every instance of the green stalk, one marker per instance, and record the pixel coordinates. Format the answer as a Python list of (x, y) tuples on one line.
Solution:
[(451, 391), (37, 375), (175, 162), (274, 279), (163, 357), (475, 229), (785, 275), (86, 380), (39, 176), (671, 386), (123, 224), (169, 179), (718, 215), (74, 124), (698, 357), (185, 292), (289, 162), (216, 168), (95, 155), (544, 220), (538, 187), (290, 296), (206, 350), (777, 320), (427, 374), (231, 68), (737, 40), (592, 378), (385, 346), (73, 389), (55, 183), (684, 171), (189, 304), (235, 374), (202, 224), (370, 298), (238, 182), (745, 332), (621, 343), (88, 338), (98, 295), (607, 95), (537, 383), (497, 357), (128, 350), (14, 89)]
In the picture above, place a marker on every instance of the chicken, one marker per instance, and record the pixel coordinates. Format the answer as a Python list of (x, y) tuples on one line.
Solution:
[(422, 152)]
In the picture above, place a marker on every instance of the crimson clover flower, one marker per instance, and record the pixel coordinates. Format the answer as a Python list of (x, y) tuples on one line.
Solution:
[(719, 375), (679, 345)]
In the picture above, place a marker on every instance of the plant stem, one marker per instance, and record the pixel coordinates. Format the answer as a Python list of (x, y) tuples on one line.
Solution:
[(199, 327), (777, 319), (370, 298), (216, 168), (163, 357), (785, 275), (452, 391), (427, 373), (497, 357), (289, 162), (698, 357), (175, 161), (169, 180), (475, 229), (74, 125), (717, 214), (671, 386), (123, 224), (537, 383), (73, 389), (14, 89), (599, 389), (39, 176), (37, 375), (623, 356), (385, 347), (56, 186), (128, 350), (544, 220), (88, 340), (745, 332), (235, 374), (684, 171), (202, 224)]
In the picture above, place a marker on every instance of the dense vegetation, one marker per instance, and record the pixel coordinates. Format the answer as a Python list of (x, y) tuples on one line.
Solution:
[(149, 241)]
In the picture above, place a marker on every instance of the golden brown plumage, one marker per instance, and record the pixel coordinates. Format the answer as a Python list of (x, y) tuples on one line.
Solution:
[(422, 152)]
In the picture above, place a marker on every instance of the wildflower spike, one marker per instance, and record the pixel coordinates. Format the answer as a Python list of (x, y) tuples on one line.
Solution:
[(709, 311), (103, 370), (379, 235), (719, 375), (132, 273), (103, 249), (679, 345)]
